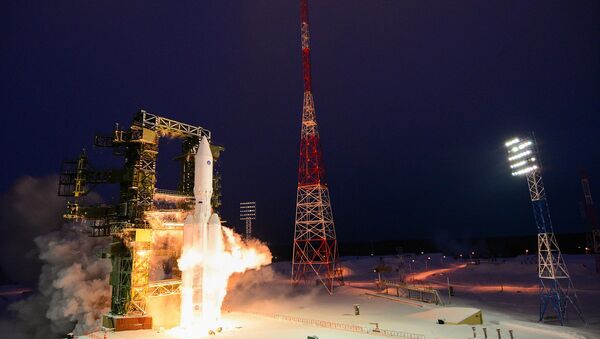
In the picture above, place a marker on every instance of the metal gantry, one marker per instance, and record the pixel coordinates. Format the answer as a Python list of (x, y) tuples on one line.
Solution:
[(128, 220), (556, 286), (315, 251)]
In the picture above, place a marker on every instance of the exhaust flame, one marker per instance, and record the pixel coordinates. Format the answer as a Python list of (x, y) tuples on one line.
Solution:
[(229, 254), (210, 255)]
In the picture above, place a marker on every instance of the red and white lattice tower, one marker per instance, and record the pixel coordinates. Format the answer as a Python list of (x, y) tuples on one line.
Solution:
[(315, 246)]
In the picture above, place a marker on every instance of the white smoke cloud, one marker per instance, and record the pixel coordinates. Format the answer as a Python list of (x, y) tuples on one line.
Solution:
[(264, 291), (80, 290), (29, 209), (166, 248), (73, 288)]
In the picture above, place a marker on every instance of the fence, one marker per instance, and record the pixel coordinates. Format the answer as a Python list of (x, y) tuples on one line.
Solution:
[(320, 323), (349, 327), (411, 291)]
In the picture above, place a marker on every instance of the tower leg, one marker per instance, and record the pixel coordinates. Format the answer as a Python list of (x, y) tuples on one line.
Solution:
[(315, 245), (556, 287), (120, 277)]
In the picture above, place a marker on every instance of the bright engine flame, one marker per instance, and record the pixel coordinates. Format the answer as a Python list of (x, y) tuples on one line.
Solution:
[(230, 255)]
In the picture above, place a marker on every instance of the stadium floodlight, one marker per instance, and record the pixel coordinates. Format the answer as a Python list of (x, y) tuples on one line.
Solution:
[(512, 142), (522, 155), (523, 159)]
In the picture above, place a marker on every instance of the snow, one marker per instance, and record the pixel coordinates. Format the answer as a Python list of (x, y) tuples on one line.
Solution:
[(448, 314), (505, 291)]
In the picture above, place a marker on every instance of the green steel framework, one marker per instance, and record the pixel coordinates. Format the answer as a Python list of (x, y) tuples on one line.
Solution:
[(137, 180)]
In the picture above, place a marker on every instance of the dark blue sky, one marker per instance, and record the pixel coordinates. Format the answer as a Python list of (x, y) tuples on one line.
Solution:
[(414, 101)]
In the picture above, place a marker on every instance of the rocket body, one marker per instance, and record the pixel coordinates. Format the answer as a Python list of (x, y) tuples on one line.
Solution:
[(203, 182), (200, 237), (213, 291), (210, 254)]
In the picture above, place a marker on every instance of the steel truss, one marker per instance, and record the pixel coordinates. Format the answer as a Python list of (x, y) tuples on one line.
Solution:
[(163, 288), (315, 250), (139, 278), (315, 243), (129, 253), (556, 286), (120, 276), (169, 128), (248, 214)]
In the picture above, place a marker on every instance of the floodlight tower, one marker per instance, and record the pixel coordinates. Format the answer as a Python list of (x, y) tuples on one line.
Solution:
[(248, 213), (556, 287)]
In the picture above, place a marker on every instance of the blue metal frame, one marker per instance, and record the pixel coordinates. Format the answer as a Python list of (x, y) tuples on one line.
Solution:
[(551, 268)]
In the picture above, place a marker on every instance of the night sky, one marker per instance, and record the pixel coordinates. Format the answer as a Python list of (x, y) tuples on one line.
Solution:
[(414, 100)]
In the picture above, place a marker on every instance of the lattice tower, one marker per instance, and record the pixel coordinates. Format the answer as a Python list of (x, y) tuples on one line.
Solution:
[(556, 286), (315, 250)]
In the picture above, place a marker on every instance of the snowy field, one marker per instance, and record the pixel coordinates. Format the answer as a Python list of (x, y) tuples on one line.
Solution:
[(261, 305)]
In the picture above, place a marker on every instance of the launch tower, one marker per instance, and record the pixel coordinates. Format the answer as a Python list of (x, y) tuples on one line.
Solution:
[(142, 211), (315, 246), (556, 287)]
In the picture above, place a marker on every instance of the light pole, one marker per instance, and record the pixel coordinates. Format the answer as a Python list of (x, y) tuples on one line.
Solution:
[(248, 214), (523, 158)]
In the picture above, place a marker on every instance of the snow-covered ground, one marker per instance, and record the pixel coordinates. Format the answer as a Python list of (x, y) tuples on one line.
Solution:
[(261, 305)]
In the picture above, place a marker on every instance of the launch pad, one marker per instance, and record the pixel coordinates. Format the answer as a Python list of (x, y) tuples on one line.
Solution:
[(126, 323), (146, 222)]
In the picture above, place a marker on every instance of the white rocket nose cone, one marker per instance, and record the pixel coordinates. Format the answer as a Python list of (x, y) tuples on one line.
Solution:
[(204, 149)]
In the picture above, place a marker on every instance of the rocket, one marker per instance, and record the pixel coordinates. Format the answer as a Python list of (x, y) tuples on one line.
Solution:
[(202, 237)]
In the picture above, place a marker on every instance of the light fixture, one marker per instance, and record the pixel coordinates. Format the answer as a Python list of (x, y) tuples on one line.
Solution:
[(521, 155)]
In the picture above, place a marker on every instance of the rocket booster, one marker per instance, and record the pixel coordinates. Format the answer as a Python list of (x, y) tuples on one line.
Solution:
[(212, 295), (198, 237)]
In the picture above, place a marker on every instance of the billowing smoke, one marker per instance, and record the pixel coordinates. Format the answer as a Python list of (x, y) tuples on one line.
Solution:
[(266, 290), (73, 288), (72, 279), (29, 209), (166, 248)]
